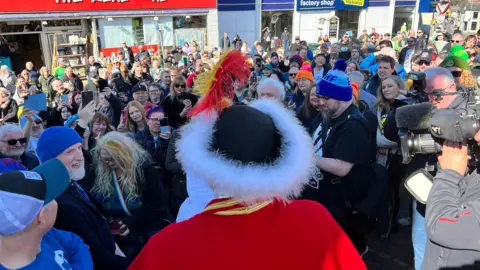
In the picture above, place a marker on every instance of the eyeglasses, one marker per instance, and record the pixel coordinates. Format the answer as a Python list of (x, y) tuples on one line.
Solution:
[(38, 121), (292, 74), (456, 41), (180, 85), (13, 142), (456, 74), (419, 32)]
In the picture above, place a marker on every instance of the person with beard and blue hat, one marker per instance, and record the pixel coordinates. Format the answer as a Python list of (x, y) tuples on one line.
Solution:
[(341, 139)]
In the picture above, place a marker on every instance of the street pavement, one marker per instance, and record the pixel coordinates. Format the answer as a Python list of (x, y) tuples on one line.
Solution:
[(393, 253)]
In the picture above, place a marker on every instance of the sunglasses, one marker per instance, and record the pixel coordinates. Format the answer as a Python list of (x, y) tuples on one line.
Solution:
[(455, 41), (419, 32), (292, 74), (456, 74), (13, 142), (180, 85), (423, 62), (38, 121)]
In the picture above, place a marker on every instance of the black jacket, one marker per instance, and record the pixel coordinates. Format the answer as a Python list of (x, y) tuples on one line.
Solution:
[(9, 114), (173, 106), (178, 192), (403, 54), (116, 108), (76, 214), (75, 80), (129, 56), (158, 152)]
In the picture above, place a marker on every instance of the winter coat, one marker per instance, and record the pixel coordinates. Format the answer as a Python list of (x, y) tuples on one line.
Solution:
[(9, 114)]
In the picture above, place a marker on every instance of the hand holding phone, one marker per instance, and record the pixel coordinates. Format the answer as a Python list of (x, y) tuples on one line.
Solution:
[(87, 97)]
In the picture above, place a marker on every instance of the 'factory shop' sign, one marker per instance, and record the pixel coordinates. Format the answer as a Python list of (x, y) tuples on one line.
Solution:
[(331, 4)]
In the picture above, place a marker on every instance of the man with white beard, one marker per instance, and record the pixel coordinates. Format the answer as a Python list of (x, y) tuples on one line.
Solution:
[(12, 145), (76, 211)]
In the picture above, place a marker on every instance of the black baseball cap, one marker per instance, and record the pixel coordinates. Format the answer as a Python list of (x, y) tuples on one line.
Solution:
[(139, 87)]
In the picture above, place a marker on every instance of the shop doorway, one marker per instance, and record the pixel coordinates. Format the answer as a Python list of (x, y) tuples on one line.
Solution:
[(348, 21), (23, 48), (273, 25), (403, 15)]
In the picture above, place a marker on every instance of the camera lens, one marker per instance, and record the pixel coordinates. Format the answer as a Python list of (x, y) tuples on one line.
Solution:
[(423, 144)]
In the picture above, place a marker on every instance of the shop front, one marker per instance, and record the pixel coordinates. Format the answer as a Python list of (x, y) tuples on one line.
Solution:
[(277, 21), (35, 29), (313, 19)]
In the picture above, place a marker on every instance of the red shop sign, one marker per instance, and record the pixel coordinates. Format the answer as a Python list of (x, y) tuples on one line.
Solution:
[(24, 6)]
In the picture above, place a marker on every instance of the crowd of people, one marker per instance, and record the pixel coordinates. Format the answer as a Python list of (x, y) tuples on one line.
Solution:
[(141, 160)]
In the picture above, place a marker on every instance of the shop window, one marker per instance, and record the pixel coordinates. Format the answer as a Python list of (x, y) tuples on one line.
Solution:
[(22, 26), (473, 26), (180, 22), (113, 32)]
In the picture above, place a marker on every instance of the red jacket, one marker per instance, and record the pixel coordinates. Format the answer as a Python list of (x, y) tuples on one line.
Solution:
[(269, 235)]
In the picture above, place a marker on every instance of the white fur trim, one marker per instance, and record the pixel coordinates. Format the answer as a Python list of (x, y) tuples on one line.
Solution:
[(285, 178)]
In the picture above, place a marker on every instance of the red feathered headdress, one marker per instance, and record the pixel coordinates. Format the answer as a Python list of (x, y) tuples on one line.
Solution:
[(216, 86)]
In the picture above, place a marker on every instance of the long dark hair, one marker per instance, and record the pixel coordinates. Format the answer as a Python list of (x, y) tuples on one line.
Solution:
[(307, 108)]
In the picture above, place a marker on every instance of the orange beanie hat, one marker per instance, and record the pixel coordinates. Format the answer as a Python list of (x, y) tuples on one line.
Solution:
[(305, 72), (355, 91)]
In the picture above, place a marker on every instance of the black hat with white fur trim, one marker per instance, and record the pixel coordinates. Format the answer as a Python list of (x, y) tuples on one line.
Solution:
[(248, 153)]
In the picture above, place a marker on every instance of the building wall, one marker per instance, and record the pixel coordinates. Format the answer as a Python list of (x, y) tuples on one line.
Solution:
[(245, 23), (212, 29), (378, 18)]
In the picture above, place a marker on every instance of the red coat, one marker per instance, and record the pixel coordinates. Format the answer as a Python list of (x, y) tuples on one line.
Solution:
[(271, 235)]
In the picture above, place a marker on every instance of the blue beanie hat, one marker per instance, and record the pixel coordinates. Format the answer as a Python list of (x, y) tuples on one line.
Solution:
[(54, 141), (335, 85), (341, 65)]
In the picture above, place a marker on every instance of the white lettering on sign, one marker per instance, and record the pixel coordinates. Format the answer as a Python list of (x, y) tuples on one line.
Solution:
[(109, 1), (159, 1), (313, 3), (68, 1)]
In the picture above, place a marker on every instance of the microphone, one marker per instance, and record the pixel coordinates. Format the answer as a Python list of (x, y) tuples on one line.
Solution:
[(415, 117)]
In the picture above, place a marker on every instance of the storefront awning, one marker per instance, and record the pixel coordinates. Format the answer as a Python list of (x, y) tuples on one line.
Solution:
[(97, 14)]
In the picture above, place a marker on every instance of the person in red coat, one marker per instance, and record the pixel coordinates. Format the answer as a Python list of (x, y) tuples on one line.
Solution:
[(256, 159)]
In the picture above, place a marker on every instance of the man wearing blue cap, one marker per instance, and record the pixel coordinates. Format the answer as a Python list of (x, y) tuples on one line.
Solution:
[(341, 142), (77, 212), (27, 213)]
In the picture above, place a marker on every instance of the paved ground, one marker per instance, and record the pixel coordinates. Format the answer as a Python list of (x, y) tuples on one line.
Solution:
[(394, 253)]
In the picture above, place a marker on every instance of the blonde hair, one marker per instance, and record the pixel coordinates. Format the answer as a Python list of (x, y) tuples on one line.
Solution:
[(130, 159), (130, 124), (382, 103)]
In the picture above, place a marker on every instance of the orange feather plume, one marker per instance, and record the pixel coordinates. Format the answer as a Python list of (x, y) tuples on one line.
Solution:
[(216, 86)]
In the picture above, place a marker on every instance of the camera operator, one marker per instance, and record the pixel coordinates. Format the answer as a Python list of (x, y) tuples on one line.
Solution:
[(452, 216), (436, 78)]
